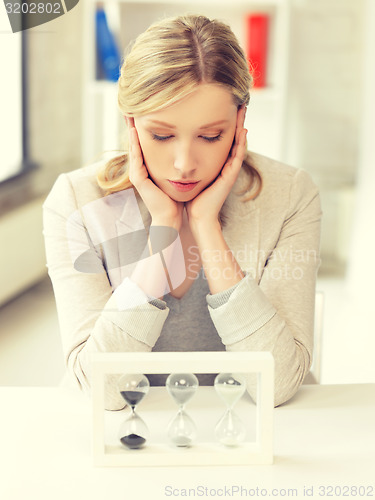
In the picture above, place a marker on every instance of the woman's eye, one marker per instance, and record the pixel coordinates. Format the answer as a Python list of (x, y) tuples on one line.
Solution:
[(208, 138), (212, 139), (158, 137)]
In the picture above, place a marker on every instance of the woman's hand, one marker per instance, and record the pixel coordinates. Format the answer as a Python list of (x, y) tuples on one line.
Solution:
[(164, 211), (206, 206)]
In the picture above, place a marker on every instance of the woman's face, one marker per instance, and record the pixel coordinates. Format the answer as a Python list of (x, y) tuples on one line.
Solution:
[(186, 144)]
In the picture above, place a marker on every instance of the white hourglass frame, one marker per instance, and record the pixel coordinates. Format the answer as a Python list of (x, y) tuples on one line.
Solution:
[(259, 451)]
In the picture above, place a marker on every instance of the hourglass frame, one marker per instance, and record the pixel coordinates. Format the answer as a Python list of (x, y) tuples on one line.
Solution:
[(259, 451)]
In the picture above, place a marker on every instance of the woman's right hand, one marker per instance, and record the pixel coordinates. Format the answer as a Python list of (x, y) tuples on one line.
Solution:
[(164, 211)]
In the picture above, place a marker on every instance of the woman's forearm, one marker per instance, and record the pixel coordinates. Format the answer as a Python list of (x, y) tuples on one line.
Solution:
[(161, 268), (220, 266)]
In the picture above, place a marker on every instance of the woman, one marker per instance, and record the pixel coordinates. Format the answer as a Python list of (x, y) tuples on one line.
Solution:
[(189, 242)]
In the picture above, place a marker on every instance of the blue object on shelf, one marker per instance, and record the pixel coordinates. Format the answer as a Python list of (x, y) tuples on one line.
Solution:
[(108, 53)]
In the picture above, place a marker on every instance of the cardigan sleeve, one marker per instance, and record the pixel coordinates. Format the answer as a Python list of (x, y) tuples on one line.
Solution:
[(276, 314), (91, 318)]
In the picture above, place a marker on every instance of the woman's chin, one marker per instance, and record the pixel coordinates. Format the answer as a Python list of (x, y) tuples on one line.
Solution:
[(182, 197)]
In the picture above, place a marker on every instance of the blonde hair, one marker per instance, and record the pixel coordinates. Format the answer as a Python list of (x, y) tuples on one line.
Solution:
[(165, 64)]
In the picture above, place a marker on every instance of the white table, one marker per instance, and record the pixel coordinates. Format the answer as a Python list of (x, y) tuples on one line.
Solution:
[(324, 437)]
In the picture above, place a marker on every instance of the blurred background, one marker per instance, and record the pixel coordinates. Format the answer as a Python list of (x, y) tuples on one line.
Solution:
[(313, 107)]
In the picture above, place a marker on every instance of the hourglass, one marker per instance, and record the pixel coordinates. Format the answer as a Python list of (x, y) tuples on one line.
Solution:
[(230, 430), (133, 431), (182, 387)]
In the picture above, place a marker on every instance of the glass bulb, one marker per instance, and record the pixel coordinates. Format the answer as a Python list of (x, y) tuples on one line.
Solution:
[(230, 430), (133, 432), (182, 387)]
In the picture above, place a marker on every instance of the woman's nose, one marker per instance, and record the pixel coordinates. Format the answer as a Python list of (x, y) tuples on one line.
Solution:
[(184, 161)]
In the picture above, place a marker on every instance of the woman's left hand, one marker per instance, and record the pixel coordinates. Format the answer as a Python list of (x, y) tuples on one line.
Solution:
[(206, 206)]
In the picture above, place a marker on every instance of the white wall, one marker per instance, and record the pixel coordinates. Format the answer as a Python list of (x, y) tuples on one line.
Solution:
[(361, 275), (349, 340), (324, 111)]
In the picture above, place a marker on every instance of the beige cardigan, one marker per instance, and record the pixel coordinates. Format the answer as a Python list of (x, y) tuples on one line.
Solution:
[(275, 239)]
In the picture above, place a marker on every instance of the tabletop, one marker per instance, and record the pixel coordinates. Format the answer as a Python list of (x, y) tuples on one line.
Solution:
[(324, 447)]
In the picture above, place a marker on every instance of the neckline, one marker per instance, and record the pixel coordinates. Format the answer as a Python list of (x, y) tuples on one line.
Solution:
[(179, 299)]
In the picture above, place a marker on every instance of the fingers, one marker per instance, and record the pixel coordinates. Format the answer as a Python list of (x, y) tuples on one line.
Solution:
[(241, 151), (135, 147), (129, 121), (241, 114), (232, 167), (136, 173)]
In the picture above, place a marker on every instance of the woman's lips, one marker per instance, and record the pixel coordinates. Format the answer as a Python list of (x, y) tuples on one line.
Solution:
[(183, 186)]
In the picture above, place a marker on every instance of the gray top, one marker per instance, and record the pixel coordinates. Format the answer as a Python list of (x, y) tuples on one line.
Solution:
[(184, 331)]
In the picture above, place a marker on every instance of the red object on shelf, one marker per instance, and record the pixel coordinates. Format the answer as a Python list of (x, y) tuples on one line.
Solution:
[(257, 46)]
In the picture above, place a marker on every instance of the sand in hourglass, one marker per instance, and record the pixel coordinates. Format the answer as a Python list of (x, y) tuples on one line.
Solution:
[(132, 397), (133, 431)]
